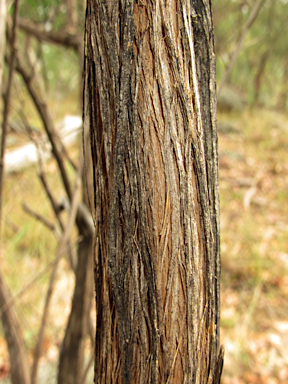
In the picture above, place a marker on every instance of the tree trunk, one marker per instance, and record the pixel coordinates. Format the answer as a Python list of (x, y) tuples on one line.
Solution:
[(150, 102)]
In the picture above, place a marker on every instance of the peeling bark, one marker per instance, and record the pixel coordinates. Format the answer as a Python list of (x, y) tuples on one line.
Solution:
[(150, 103)]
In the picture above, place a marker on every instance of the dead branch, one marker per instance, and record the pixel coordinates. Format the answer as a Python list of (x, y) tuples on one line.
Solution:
[(48, 124), (55, 207), (11, 326), (7, 98), (46, 187), (72, 350), (253, 15), (40, 218), (86, 370), (69, 40), (74, 207), (18, 357), (12, 225), (5, 307), (39, 344)]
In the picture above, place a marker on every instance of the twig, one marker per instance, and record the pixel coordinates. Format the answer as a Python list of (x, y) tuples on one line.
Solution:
[(64, 38), (74, 206), (29, 286), (39, 344), (61, 247), (12, 225), (18, 357), (40, 218), (43, 179), (7, 100), (47, 121), (55, 208), (54, 205), (86, 370)]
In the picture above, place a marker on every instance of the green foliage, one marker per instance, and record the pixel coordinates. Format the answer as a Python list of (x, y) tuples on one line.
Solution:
[(261, 69), (46, 11)]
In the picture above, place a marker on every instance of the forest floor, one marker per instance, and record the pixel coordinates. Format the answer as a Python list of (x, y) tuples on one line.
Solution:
[(254, 245)]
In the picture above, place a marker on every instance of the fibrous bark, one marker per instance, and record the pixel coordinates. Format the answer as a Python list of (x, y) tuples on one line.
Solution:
[(150, 103)]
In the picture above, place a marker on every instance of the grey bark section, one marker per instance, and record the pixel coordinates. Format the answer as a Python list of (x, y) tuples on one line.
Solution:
[(150, 101)]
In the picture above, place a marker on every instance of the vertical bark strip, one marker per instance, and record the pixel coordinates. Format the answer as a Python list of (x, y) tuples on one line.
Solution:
[(150, 103)]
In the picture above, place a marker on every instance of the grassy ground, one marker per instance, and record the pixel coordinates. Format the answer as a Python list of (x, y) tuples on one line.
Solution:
[(27, 249), (254, 195), (254, 209)]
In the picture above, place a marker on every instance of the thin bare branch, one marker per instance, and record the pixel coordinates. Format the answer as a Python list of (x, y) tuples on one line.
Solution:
[(39, 344), (28, 287), (64, 38), (48, 124), (47, 189), (11, 326), (253, 15), (18, 357), (2, 38), (40, 218), (70, 368), (55, 207), (7, 99), (86, 370), (74, 206)]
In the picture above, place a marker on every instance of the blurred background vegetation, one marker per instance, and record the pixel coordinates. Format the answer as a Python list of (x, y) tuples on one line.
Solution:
[(252, 75)]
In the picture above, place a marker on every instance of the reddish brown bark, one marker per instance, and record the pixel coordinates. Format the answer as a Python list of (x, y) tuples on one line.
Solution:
[(150, 103)]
